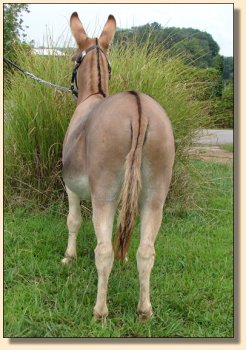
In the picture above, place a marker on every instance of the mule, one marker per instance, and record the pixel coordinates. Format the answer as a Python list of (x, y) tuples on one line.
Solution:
[(117, 148)]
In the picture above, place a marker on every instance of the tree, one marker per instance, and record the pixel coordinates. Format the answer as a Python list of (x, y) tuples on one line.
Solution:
[(13, 33), (218, 63), (198, 48), (228, 69)]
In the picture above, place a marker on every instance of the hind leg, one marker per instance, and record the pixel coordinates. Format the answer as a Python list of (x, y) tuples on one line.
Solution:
[(103, 216), (151, 217), (73, 223)]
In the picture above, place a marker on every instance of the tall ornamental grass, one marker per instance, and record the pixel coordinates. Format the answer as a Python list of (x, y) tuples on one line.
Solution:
[(36, 117)]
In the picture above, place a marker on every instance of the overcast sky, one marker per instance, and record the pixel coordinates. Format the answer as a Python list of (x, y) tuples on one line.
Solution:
[(216, 19)]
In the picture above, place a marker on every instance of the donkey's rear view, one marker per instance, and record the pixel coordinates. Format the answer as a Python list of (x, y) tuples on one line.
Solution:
[(118, 147)]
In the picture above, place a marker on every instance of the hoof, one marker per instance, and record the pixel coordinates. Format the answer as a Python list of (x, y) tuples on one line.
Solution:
[(100, 316), (68, 260), (145, 314)]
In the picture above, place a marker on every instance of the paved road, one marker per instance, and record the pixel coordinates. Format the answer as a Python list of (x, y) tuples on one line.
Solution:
[(214, 137)]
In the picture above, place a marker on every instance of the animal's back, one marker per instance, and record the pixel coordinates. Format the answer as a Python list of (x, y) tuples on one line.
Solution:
[(112, 124)]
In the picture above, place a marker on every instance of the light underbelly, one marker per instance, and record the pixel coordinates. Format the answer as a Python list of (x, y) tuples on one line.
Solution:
[(80, 186)]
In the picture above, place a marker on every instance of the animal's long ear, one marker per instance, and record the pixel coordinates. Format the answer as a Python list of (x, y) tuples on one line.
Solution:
[(108, 32), (77, 29)]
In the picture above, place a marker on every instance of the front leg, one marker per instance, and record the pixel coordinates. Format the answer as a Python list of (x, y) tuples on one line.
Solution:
[(73, 223)]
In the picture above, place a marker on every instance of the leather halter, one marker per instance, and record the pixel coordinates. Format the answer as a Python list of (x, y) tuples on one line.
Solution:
[(79, 60)]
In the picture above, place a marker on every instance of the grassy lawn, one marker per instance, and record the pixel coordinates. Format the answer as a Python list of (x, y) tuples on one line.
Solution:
[(191, 283)]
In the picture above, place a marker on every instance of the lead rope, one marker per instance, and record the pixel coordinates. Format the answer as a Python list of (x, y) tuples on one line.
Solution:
[(74, 88), (32, 76)]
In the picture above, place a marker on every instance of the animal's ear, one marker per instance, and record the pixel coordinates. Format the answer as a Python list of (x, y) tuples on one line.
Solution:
[(77, 29), (108, 32)]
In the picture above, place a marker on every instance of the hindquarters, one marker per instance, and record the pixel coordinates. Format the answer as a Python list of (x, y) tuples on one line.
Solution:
[(158, 153), (130, 151)]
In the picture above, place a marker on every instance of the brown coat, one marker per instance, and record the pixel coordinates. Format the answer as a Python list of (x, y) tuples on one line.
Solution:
[(117, 148)]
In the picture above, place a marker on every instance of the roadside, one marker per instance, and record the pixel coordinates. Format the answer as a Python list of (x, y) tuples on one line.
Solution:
[(213, 145), (212, 153), (214, 137)]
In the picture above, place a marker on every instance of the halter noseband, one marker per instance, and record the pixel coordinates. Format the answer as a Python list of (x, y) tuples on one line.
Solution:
[(79, 60)]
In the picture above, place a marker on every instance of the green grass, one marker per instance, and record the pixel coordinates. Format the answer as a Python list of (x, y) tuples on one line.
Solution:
[(227, 147), (191, 283)]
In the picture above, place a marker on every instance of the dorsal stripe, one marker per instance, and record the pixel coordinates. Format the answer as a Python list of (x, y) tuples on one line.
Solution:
[(100, 89)]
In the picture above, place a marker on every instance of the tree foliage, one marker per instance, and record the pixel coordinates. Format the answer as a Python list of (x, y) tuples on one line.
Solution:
[(13, 33), (197, 47), (228, 69)]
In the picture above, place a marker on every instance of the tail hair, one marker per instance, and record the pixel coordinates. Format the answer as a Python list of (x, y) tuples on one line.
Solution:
[(132, 185)]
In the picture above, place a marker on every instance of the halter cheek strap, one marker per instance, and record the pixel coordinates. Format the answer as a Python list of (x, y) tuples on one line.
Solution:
[(79, 60)]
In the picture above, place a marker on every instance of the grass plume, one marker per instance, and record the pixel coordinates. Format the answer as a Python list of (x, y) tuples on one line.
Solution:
[(36, 116)]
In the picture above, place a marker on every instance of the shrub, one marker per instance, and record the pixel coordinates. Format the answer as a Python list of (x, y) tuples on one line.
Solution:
[(36, 117), (227, 104), (221, 109)]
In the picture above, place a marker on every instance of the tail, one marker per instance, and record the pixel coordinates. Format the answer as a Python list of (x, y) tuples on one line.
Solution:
[(131, 185)]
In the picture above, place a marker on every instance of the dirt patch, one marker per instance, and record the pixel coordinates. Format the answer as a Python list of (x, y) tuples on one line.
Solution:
[(213, 154)]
